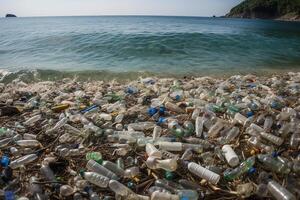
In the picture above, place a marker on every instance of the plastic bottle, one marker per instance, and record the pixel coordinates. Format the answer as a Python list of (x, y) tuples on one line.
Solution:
[(199, 123), (215, 129), (32, 120), (272, 138), (152, 151), (156, 132), (171, 146), (203, 173), (96, 179), (273, 164), (113, 167), (167, 164), (47, 172), (5, 142), (193, 140), (231, 135), (96, 167), (187, 155), (173, 107), (157, 195), (23, 161), (66, 190), (230, 155), (96, 156), (241, 169), (255, 142), (279, 192), (240, 118), (28, 143), (35, 189), (268, 123), (119, 188), (295, 141), (132, 172)]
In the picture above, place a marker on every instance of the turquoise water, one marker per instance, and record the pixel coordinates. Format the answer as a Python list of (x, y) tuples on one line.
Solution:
[(175, 45)]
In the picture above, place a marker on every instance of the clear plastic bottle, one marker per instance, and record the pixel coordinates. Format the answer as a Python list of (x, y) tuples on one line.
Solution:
[(231, 135), (295, 140), (255, 142), (157, 195), (167, 164), (132, 172), (173, 107), (268, 123), (152, 151), (28, 143), (203, 173), (156, 132), (199, 123), (194, 140), (66, 190), (273, 164), (240, 118), (4, 142), (171, 146), (215, 129), (279, 192), (113, 167), (119, 188), (23, 161), (47, 172), (96, 179), (272, 138), (32, 120), (35, 189), (243, 168), (96, 167)]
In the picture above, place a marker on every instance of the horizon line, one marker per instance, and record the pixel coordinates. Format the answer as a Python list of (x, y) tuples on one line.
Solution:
[(133, 15)]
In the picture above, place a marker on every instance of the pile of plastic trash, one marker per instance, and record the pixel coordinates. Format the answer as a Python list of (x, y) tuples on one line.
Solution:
[(154, 138)]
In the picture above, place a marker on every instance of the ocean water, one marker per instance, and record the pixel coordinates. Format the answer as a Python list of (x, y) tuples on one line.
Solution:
[(159, 45)]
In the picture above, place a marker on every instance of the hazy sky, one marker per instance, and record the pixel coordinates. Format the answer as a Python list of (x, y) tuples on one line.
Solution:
[(116, 7)]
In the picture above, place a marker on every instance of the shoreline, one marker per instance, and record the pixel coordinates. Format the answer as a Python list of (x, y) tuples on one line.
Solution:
[(38, 75)]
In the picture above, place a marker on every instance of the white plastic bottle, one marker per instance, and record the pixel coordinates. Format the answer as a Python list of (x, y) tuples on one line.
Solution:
[(230, 156), (32, 120), (203, 173)]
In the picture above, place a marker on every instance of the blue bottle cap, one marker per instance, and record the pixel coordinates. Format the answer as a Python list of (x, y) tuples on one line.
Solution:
[(250, 114), (275, 154), (152, 111), (252, 170), (5, 161), (184, 198), (9, 195), (161, 120), (177, 97), (162, 110)]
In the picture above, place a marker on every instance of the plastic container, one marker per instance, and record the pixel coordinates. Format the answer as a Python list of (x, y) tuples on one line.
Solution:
[(279, 192), (203, 173), (96, 167), (96, 179), (23, 161), (230, 155)]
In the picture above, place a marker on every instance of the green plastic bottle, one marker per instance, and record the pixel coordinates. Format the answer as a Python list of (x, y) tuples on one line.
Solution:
[(96, 156), (240, 170)]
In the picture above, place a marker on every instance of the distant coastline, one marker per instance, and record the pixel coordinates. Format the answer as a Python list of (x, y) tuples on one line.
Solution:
[(260, 9)]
